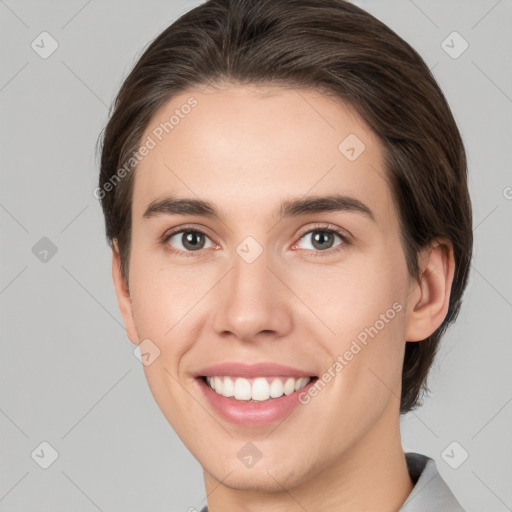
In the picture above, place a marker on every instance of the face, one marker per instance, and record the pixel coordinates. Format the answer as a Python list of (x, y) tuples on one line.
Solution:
[(322, 290)]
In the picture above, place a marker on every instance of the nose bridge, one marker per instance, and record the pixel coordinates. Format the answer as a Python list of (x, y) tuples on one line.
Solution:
[(251, 298), (250, 284), (250, 275)]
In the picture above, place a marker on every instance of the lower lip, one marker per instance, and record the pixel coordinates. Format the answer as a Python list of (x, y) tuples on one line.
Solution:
[(253, 413)]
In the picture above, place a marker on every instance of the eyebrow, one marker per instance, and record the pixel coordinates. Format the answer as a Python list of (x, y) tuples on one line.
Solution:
[(290, 208)]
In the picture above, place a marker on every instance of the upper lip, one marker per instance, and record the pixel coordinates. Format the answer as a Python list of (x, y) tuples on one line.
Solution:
[(234, 369)]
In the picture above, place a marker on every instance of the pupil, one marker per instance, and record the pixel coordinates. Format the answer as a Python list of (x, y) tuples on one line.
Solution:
[(320, 238), (191, 240)]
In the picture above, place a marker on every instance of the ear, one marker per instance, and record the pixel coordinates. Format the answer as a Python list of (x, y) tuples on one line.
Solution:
[(429, 298), (123, 295)]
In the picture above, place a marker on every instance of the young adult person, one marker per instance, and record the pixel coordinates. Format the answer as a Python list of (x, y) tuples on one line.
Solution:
[(284, 189)]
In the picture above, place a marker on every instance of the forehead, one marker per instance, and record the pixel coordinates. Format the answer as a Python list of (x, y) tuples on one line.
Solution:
[(248, 146)]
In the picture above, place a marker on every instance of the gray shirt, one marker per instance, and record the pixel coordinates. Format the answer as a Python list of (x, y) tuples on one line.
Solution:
[(430, 492)]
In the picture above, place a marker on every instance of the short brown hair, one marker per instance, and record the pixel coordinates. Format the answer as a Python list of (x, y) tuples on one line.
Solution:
[(334, 47)]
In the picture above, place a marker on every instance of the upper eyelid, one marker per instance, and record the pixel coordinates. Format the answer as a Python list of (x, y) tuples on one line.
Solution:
[(184, 228), (326, 227)]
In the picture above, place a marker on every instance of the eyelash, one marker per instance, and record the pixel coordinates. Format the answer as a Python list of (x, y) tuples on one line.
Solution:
[(345, 238)]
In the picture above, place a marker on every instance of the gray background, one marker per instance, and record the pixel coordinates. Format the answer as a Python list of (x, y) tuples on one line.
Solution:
[(68, 375)]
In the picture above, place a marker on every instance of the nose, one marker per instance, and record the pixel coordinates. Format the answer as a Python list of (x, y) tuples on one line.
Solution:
[(253, 301)]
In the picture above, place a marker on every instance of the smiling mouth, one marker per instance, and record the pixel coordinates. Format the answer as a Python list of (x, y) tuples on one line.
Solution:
[(258, 389)]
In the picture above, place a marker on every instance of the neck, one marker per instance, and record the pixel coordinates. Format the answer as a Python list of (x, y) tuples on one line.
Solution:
[(371, 476)]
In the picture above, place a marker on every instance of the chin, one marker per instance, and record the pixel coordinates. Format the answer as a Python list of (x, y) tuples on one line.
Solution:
[(258, 482), (261, 478)]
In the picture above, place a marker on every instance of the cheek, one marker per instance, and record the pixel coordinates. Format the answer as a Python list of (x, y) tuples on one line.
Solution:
[(349, 298), (166, 302), (156, 300), (365, 311), (162, 305)]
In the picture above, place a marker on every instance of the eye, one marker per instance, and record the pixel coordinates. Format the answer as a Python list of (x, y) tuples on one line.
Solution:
[(323, 239), (187, 240)]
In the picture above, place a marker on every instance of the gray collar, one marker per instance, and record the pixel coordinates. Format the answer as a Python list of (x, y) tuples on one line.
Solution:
[(430, 492)]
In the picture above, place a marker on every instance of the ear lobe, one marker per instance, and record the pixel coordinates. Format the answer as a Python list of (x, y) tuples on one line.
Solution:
[(429, 299), (123, 295)]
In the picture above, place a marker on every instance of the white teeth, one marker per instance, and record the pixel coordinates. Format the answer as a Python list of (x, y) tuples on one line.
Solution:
[(242, 389), (228, 388), (289, 386), (259, 390), (218, 385), (276, 388)]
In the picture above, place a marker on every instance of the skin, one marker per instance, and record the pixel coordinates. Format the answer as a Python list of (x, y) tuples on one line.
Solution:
[(247, 149)]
